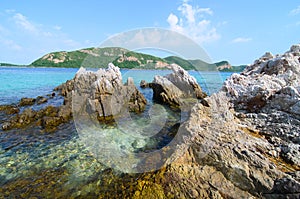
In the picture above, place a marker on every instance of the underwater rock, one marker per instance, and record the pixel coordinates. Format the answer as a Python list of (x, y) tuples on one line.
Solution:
[(27, 101), (9, 109), (41, 100)]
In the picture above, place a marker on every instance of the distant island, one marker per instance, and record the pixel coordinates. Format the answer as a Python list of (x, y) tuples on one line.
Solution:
[(9, 64), (123, 58)]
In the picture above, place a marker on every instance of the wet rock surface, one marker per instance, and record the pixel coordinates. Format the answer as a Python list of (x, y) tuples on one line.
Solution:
[(9, 109), (27, 101)]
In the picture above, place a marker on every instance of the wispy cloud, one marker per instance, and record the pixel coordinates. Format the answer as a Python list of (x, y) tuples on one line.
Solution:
[(20, 33), (3, 30), (295, 11), (57, 27), (24, 23), (241, 40), (10, 44), (192, 21)]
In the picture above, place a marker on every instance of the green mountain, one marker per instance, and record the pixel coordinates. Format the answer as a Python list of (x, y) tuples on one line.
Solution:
[(100, 57), (223, 66), (185, 64), (88, 57), (140, 60)]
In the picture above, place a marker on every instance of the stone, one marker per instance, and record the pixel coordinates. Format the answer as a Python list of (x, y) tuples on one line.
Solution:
[(6, 126), (41, 100), (165, 91), (9, 109), (50, 123), (144, 84), (185, 82), (104, 94), (27, 101), (129, 82), (270, 86), (65, 113), (217, 157), (172, 89)]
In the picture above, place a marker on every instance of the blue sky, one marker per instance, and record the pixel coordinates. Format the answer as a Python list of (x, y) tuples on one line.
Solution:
[(237, 31)]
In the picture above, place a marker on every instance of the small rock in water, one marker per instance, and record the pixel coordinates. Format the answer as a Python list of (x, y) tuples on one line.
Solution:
[(9, 109), (6, 126), (27, 101), (144, 84), (41, 100)]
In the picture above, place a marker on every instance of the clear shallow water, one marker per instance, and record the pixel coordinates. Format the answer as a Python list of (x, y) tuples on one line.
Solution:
[(58, 165), (16, 83)]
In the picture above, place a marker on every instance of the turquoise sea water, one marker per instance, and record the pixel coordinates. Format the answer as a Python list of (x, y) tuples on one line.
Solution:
[(16, 83), (34, 164)]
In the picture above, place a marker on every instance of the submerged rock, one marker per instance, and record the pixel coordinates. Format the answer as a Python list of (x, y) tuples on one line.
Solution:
[(41, 100), (9, 109), (27, 101)]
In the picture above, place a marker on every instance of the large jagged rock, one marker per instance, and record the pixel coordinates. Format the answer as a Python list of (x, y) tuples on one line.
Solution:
[(103, 93), (266, 97), (221, 158), (271, 82), (245, 142), (172, 89)]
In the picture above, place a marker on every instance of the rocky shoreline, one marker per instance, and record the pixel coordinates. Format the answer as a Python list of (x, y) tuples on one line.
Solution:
[(242, 142)]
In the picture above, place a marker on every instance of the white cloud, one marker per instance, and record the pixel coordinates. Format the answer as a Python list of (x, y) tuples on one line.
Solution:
[(57, 27), (11, 44), (241, 40), (173, 22), (24, 23), (295, 11), (205, 10), (3, 30), (188, 12), (34, 37), (9, 11), (192, 22)]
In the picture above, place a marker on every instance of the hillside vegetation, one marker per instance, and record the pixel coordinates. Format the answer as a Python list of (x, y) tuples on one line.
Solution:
[(89, 57), (100, 57)]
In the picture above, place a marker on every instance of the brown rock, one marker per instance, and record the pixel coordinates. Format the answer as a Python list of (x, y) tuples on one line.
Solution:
[(27, 101), (50, 123), (9, 109), (41, 100)]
